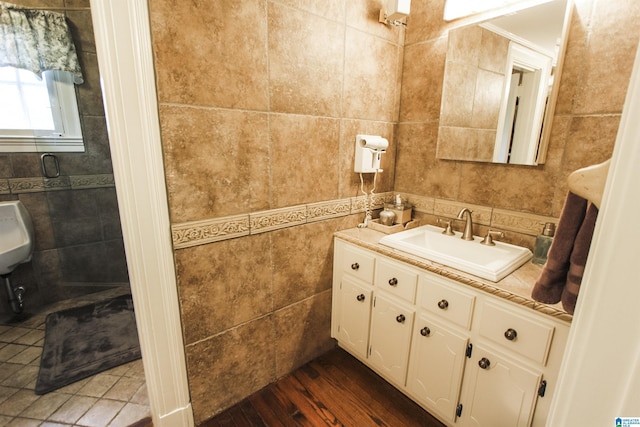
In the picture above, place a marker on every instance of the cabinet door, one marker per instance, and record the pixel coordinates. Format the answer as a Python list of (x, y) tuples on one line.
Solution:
[(497, 392), (391, 324), (436, 366), (355, 309)]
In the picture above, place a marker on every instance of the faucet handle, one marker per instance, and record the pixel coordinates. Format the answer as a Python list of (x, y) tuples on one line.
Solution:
[(447, 230), (488, 239)]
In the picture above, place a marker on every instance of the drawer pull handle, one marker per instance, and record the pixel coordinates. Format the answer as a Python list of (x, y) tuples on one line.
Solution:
[(510, 334), (355, 266), (393, 281), (400, 318), (484, 363), (443, 304), (425, 332), (360, 297)]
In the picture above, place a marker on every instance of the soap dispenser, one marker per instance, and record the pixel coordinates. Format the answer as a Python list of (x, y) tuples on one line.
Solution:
[(543, 243)]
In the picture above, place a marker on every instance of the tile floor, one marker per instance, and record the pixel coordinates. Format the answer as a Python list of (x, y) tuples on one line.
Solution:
[(114, 398)]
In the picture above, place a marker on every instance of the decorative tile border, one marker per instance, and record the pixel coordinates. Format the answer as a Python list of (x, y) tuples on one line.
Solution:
[(331, 209), (261, 222), (39, 184), (207, 231), (450, 209), (519, 222), (4, 186), (195, 233), (80, 182)]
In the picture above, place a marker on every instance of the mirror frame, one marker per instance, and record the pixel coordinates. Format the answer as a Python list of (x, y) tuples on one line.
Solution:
[(547, 121)]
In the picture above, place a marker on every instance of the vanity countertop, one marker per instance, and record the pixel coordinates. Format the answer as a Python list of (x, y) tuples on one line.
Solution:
[(516, 287)]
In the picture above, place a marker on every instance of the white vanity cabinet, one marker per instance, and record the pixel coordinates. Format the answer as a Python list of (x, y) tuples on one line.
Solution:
[(468, 357)]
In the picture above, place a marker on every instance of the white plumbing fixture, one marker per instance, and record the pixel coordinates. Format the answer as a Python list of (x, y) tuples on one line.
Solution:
[(16, 236)]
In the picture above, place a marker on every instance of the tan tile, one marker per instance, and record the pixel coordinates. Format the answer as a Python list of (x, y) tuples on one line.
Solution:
[(305, 168), (275, 219), (73, 409), (13, 334), (30, 338), (10, 350), (330, 9), (228, 367), (370, 85), (196, 41), (74, 387), (98, 385), (300, 341), (217, 162), (609, 57), (124, 389), (224, 284), (422, 80), (417, 170), (46, 405), (130, 414), (305, 62), (141, 396), (363, 15), (296, 275), (23, 376), (136, 369), (101, 413), (23, 422), (194, 233), (17, 402), (27, 356), (6, 392)]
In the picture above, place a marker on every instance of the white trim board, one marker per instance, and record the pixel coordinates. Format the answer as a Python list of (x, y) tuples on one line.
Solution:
[(123, 42)]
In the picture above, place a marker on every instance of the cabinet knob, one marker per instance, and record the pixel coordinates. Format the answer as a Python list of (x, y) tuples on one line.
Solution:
[(510, 334), (393, 281), (360, 297), (400, 318), (425, 332), (355, 266), (443, 304), (484, 363)]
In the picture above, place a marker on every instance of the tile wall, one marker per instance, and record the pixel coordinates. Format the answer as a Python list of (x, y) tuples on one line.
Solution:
[(260, 104), (78, 240), (602, 46)]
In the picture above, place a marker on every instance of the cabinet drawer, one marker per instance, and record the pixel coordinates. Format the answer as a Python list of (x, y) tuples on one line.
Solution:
[(444, 299), (518, 333), (358, 263), (398, 280)]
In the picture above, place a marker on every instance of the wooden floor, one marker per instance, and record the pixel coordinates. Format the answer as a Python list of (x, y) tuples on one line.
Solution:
[(333, 390)]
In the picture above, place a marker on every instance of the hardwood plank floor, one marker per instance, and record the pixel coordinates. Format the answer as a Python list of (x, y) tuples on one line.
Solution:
[(332, 390)]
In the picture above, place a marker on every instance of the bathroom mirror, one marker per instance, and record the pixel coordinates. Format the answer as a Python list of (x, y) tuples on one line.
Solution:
[(500, 86)]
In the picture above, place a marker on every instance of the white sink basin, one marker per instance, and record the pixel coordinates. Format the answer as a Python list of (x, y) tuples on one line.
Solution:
[(489, 262)]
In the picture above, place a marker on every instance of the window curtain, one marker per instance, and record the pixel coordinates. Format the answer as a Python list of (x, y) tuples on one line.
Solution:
[(37, 40)]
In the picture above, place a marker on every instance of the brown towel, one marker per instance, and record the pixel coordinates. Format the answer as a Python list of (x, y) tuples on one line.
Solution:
[(553, 279), (579, 259)]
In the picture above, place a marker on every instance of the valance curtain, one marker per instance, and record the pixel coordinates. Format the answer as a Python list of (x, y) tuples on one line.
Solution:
[(37, 40)]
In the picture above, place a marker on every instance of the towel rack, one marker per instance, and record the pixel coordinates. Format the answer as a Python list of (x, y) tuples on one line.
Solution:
[(589, 182)]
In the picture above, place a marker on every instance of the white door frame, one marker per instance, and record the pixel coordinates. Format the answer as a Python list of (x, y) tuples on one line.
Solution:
[(606, 314), (123, 43)]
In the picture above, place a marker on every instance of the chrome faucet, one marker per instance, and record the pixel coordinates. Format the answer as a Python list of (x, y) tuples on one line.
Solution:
[(468, 226)]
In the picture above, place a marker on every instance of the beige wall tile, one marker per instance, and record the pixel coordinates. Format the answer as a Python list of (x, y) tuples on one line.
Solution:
[(423, 70), (211, 53), (302, 261), (230, 366), (224, 284), (370, 82), (306, 60), (216, 161), (303, 332), (305, 165)]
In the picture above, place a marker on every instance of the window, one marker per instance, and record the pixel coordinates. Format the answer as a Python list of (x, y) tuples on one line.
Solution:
[(38, 115)]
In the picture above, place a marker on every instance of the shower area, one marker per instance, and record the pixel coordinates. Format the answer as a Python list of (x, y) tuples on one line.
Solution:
[(78, 240)]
